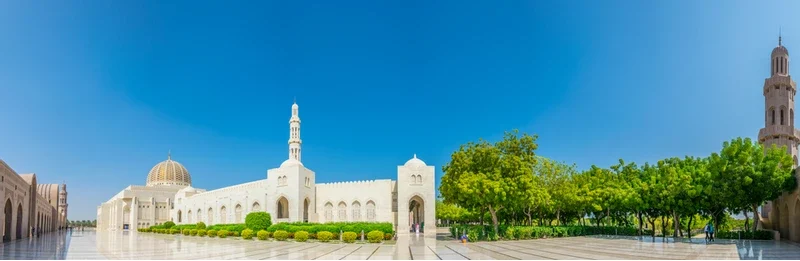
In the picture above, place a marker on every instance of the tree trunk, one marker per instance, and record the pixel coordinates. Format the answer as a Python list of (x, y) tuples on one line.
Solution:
[(494, 219), (746, 221), (689, 228), (663, 227), (558, 216), (756, 217), (677, 223), (639, 216)]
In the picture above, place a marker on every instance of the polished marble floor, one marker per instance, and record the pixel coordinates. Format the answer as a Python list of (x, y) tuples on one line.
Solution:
[(132, 245)]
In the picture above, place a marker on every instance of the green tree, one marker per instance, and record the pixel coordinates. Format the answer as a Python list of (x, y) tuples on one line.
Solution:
[(490, 176), (762, 176)]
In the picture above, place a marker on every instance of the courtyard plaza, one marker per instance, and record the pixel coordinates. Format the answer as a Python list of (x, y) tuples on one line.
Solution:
[(133, 245)]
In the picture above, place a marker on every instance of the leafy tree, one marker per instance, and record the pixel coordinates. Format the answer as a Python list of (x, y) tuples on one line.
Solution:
[(490, 176)]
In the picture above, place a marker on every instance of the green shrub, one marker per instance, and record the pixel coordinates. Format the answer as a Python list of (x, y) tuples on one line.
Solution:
[(247, 234), (375, 236), (186, 232), (193, 232), (301, 236), (234, 233), (201, 232), (509, 233), (222, 233), (349, 237), (324, 236), (758, 235), (262, 235), (168, 224), (280, 235), (211, 233), (173, 231), (387, 236), (201, 225), (258, 220)]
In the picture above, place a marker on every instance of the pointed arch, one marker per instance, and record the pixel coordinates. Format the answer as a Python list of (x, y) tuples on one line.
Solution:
[(223, 215), (238, 213), (328, 212), (9, 215), (342, 209), (282, 207), (370, 210), (179, 216), (256, 207), (189, 216), (356, 209)]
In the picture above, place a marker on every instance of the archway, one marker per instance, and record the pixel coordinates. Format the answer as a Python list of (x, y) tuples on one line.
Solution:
[(19, 221), (328, 212), (8, 215), (283, 207), (356, 215), (796, 234), (223, 213), (189, 216), (784, 225), (370, 210), (416, 213), (256, 207), (238, 210), (210, 216), (179, 216), (199, 215), (342, 209), (306, 206)]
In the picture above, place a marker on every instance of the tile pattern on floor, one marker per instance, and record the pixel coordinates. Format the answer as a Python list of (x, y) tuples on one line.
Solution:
[(133, 245)]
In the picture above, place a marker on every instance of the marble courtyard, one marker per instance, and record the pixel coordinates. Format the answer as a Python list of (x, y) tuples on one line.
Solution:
[(132, 245)]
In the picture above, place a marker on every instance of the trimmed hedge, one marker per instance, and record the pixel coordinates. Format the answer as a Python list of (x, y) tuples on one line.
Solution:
[(168, 224), (335, 228), (258, 221), (193, 232), (758, 235), (280, 235), (185, 232), (247, 234), (486, 233), (201, 225), (222, 233), (375, 236), (301, 236), (262, 235), (228, 227), (324, 236), (211, 233), (349, 237), (201, 232)]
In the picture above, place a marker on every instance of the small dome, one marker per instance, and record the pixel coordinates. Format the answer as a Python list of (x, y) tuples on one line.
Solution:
[(169, 172), (780, 50), (415, 162), (188, 189), (291, 162)]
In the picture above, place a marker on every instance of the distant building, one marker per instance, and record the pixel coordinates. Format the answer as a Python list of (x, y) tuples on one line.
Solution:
[(779, 92), (29, 206), (289, 193)]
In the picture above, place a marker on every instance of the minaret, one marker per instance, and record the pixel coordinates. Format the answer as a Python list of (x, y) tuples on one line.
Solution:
[(294, 134), (779, 92)]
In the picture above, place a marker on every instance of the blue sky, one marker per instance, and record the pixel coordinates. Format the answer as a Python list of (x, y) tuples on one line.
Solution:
[(95, 93)]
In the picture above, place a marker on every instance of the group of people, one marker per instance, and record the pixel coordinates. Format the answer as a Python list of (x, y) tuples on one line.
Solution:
[(709, 229)]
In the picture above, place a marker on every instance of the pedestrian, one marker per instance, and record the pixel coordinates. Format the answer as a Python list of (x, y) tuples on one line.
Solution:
[(711, 231), (706, 230)]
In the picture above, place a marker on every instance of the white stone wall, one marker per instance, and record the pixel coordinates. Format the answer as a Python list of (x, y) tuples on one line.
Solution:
[(351, 194), (222, 204), (415, 182)]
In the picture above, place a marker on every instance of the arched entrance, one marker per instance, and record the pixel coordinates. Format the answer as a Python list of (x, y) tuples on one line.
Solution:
[(238, 210), (19, 221), (179, 216), (784, 225), (8, 215), (283, 207), (306, 206), (416, 213), (796, 234), (223, 215)]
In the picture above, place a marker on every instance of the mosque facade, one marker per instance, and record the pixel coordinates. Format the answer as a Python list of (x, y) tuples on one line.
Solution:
[(289, 193), (30, 207)]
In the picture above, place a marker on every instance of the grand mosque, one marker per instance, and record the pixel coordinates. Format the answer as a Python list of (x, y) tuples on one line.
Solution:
[(289, 193)]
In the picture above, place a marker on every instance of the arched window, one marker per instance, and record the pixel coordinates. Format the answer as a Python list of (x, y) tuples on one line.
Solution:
[(238, 210), (782, 117), (791, 117), (356, 211), (210, 216), (189, 216), (223, 212), (283, 207), (179, 216), (370, 211), (328, 212), (199, 215), (773, 116), (342, 211), (256, 207)]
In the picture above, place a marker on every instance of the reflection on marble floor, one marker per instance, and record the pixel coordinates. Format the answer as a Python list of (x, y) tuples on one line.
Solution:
[(133, 245)]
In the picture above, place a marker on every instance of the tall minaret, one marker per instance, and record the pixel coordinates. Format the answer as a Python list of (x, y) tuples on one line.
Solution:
[(294, 134), (779, 91)]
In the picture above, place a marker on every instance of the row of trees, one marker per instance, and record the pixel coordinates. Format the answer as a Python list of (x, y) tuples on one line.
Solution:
[(82, 223), (510, 183)]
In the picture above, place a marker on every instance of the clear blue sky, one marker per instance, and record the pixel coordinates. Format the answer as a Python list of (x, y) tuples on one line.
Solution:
[(95, 93)]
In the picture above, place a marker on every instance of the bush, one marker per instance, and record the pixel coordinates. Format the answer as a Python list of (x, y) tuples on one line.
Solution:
[(185, 232), (168, 224), (222, 234), (247, 234), (201, 225), (258, 221), (758, 235), (375, 236), (324, 236), (173, 231), (193, 232), (182, 227), (211, 233), (387, 236), (262, 235), (349, 237), (201, 232), (234, 233), (280, 235), (300, 236)]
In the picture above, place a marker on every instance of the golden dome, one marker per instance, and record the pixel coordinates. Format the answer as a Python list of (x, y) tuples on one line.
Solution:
[(169, 172)]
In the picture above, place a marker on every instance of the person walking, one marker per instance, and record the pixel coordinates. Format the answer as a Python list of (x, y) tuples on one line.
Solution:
[(711, 231), (705, 229)]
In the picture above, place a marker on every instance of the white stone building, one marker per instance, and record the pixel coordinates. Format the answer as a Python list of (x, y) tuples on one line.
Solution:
[(289, 193), (28, 206)]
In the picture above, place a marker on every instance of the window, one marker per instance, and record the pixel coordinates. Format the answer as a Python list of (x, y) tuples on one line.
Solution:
[(370, 211), (356, 216), (238, 210), (773, 116), (342, 211), (256, 207), (223, 212), (328, 212), (781, 116)]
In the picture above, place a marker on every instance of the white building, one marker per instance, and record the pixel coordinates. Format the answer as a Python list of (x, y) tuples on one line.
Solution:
[(289, 193)]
